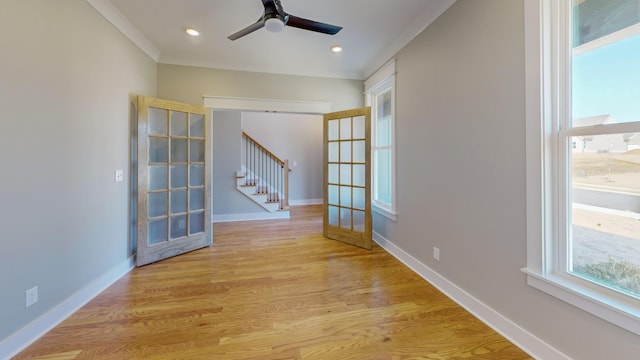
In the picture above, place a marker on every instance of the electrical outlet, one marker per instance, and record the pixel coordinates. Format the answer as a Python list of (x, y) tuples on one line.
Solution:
[(32, 296), (119, 175), (436, 253)]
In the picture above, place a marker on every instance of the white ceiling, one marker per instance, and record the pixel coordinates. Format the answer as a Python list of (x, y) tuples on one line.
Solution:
[(373, 31)]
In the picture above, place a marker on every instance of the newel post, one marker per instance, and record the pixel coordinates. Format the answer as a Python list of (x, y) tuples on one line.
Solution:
[(285, 201)]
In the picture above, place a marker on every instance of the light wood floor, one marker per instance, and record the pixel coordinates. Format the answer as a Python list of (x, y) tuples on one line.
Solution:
[(273, 290)]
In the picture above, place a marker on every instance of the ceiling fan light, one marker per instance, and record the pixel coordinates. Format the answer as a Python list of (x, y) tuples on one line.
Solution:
[(274, 25)]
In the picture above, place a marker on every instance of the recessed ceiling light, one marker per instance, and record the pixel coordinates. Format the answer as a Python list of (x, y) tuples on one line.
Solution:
[(336, 48), (193, 32)]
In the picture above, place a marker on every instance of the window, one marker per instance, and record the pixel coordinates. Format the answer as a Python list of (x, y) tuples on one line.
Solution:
[(583, 164), (380, 95)]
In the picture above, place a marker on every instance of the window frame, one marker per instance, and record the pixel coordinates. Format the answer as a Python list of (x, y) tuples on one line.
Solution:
[(547, 104), (382, 81)]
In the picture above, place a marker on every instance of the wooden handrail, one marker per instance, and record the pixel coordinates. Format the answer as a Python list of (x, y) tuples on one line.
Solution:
[(281, 181), (280, 161)]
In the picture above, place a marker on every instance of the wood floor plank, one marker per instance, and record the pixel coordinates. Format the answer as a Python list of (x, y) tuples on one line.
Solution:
[(273, 290)]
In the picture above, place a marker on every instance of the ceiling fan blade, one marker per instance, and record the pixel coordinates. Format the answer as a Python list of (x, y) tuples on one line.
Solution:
[(270, 4), (307, 24), (248, 30)]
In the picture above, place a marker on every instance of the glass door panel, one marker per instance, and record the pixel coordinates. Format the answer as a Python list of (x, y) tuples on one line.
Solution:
[(345, 218), (179, 201), (359, 127), (196, 223), (345, 129), (196, 125), (178, 176), (334, 130), (345, 174), (178, 226), (196, 199), (178, 123), (197, 151), (158, 121), (196, 175), (359, 175), (158, 150), (158, 177), (333, 216), (157, 204), (333, 195), (157, 231)]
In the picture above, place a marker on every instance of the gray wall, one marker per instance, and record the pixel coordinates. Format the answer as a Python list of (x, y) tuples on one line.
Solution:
[(67, 77), (226, 199), (461, 172), (190, 84), (297, 138)]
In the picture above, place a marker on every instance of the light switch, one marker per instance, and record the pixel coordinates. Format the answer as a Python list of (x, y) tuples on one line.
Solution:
[(119, 175)]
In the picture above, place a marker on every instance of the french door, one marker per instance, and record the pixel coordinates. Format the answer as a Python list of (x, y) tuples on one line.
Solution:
[(347, 177), (174, 203)]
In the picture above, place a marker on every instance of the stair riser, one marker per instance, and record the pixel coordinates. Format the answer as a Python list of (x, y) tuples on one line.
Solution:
[(269, 201)]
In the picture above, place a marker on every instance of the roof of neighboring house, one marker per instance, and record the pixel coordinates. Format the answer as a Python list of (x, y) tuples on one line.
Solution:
[(594, 120), (632, 139)]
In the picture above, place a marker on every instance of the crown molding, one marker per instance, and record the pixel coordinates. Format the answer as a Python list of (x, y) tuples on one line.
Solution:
[(273, 69), (111, 13), (436, 9)]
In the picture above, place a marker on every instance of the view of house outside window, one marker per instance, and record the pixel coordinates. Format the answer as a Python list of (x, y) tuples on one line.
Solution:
[(603, 145)]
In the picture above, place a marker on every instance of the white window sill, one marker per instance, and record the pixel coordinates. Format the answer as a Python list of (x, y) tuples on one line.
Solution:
[(384, 212), (617, 309)]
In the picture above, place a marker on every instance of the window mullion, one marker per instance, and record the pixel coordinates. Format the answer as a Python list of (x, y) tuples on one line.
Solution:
[(562, 240), (562, 234)]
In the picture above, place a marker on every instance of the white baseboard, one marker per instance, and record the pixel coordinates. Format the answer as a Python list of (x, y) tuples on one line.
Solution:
[(251, 216), (306, 202), (24, 337), (505, 327)]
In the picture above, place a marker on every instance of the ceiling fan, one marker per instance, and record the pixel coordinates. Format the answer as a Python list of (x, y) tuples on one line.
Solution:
[(274, 19)]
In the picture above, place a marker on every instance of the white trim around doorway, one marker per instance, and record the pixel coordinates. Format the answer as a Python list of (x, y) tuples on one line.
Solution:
[(269, 105)]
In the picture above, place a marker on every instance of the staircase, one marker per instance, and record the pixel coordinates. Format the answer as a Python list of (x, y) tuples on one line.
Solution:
[(264, 177)]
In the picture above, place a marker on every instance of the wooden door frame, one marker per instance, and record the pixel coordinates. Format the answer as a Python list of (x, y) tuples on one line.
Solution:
[(226, 103)]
